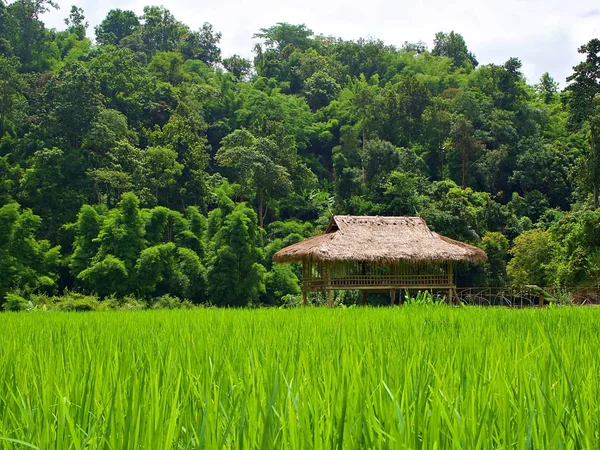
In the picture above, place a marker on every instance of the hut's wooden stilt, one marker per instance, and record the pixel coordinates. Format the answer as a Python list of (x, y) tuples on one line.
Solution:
[(450, 280), (304, 302), (329, 298), (364, 297), (392, 296)]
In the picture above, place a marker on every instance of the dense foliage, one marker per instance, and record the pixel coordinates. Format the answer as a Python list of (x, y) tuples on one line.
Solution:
[(145, 163), (411, 377)]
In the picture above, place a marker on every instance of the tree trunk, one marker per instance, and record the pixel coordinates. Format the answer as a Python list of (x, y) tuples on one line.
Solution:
[(465, 163), (364, 137), (170, 229), (260, 209), (27, 38), (261, 216), (593, 157)]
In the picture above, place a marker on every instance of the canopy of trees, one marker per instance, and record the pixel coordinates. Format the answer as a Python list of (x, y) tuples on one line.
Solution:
[(147, 163)]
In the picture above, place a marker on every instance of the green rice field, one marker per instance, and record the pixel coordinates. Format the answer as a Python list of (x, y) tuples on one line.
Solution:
[(313, 378)]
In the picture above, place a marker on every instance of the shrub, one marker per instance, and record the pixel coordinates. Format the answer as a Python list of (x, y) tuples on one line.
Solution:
[(72, 301), (166, 302), (15, 302), (109, 304), (131, 303)]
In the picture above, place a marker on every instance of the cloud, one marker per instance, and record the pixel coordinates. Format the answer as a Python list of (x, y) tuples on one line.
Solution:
[(590, 14), (544, 34)]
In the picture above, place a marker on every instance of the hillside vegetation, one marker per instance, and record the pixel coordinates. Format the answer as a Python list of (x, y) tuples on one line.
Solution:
[(146, 163)]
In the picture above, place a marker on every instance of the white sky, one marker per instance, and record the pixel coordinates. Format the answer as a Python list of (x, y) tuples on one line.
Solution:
[(544, 34)]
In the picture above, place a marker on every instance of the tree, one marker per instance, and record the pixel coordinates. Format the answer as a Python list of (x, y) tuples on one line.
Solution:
[(531, 254), (405, 103), (161, 168), (126, 84), (453, 46), (584, 107), (238, 66), (235, 275), (267, 112), (576, 257), (283, 36), (365, 100), (437, 122), (76, 22), (202, 44), (347, 167), (30, 38), (320, 89), (466, 144), (106, 276), (279, 282), (496, 247), (154, 267), (73, 103), (511, 91), (26, 263), (10, 97), (86, 244), (546, 168), (117, 26), (185, 133), (56, 186), (462, 214), (547, 88), (379, 159), (401, 195), (280, 42), (258, 164), (160, 30), (6, 22), (122, 236), (189, 277), (168, 67), (415, 47)]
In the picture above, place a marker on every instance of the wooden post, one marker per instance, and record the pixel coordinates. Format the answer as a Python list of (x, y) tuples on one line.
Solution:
[(329, 298), (450, 282), (364, 298), (327, 268), (392, 296), (306, 271), (542, 299)]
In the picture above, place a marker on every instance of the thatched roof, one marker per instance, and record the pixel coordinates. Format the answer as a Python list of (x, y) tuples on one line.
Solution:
[(379, 239)]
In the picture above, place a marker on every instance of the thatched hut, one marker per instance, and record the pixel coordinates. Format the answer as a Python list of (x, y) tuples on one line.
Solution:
[(372, 253)]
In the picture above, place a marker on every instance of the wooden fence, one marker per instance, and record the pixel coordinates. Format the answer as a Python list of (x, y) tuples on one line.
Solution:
[(528, 296)]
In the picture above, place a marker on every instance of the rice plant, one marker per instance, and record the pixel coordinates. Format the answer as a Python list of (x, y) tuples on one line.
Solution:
[(301, 378)]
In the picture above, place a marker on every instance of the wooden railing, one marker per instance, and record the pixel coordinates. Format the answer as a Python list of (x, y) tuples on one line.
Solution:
[(378, 281)]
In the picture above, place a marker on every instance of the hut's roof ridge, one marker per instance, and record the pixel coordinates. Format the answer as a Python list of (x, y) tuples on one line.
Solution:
[(379, 239)]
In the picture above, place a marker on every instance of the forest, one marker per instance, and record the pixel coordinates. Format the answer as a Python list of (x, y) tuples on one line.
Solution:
[(139, 162)]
